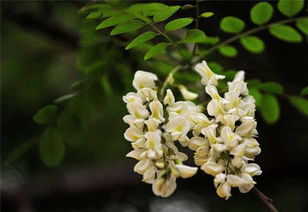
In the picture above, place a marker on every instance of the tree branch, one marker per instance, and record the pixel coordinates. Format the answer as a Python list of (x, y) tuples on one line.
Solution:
[(268, 202)]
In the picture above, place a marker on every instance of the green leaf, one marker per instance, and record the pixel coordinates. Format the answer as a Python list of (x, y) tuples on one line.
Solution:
[(94, 15), (252, 44), (165, 14), (114, 20), (300, 103), (254, 83), (146, 9), (51, 147), (187, 7), (126, 27), (261, 13), (228, 51), (269, 108), (304, 92), (158, 49), (194, 36), (285, 33), (146, 36), (257, 95), (177, 24), (290, 7), (215, 67), (271, 87), (211, 40), (302, 24), (46, 115), (207, 14), (232, 24)]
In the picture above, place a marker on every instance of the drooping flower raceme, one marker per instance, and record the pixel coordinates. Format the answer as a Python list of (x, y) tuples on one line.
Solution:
[(152, 135), (223, 137), (225, 147)]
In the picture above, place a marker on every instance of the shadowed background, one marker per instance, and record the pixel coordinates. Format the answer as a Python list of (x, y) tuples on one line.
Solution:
[(46, 46)]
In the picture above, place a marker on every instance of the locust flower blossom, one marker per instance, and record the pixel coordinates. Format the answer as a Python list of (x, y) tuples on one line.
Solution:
[(152, 134), (208, 76), (223, 137)]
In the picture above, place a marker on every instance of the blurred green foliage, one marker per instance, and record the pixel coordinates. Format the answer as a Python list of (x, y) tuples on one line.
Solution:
[(93, 94)]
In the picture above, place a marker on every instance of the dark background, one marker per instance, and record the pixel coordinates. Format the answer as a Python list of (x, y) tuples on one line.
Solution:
[(41, 57)]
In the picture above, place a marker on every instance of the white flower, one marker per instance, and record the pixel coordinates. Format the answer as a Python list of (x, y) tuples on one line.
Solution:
[(223, 148), (210, 133), (253, 169), (212, 91), (228, 120), (252, 147), (213, 168), (153, 145), (169, 98), (199, 121), (238, 84), (187, 95), (247, 128), (133, 134), (152, 125), (164, 187), (147, 94), (219, 179), (208, 76), (224, 190), (144, 79), (133, 121), (178, 127), (196, 142), (143, 165), (149, 175), (215, 108), (177, 155), (235, 180), (132, 97), (186, 171), (157, 110), (138, 110), (201, 155), (136, 153), (230, 138), (248, 183)]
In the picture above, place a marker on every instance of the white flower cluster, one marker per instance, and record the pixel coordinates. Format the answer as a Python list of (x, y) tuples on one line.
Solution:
[(223, 144), (226, 145), (153, 136)]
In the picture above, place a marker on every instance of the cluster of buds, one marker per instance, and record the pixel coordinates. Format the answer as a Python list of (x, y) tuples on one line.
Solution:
[(152, 135), (223, 136)]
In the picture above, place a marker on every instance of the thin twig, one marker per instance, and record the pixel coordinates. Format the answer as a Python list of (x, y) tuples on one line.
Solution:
[(249, 32), (168, 38), (268, 202), (196, 27)]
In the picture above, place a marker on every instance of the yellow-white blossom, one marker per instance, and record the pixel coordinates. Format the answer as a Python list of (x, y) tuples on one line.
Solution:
[(208, 76), (187, 95), (223, 137), (186, 171), (169, 98), (144, 79)]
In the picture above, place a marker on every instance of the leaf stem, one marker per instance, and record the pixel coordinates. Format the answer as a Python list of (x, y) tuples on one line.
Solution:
[(165, 83), (268, 202), (249, 32), (196, 26), (168, 38)]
